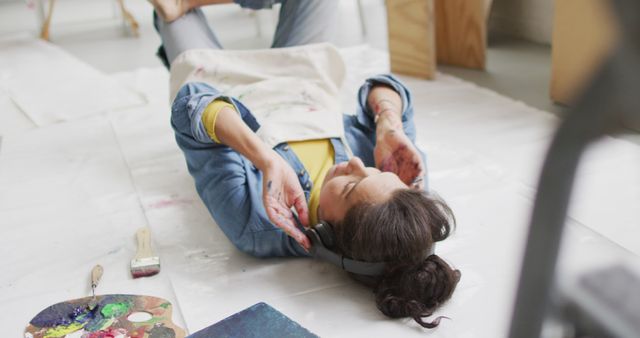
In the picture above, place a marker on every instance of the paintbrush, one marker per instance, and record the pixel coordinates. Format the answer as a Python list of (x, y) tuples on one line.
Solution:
[(96, 274), (144, 263)]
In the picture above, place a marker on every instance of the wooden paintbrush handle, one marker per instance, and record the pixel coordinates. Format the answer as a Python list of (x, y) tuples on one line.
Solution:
[(44, 32), (96, 274), (143, 236)]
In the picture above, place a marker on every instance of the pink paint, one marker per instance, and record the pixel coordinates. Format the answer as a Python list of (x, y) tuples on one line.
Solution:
[(169, 203), (108, 333)]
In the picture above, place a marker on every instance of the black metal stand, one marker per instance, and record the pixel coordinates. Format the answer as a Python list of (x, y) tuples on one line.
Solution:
[(610, 105)]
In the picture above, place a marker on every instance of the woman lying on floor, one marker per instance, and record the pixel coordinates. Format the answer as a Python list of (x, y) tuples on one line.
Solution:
[(262, 134)]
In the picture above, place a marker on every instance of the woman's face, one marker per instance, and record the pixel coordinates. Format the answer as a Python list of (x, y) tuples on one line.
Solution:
[(350, 183)]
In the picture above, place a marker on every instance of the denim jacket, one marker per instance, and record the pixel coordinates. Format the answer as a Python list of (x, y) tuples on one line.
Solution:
[(231, 186)]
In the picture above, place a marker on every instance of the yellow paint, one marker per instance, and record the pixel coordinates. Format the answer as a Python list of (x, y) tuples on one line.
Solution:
[(62, 330)]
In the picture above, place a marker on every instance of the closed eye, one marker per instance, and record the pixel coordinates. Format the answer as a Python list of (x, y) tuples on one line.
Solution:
[(353, 187), (346, 187)]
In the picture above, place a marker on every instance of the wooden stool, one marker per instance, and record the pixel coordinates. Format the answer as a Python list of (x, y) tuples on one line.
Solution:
[(45, 19), (423, 33)]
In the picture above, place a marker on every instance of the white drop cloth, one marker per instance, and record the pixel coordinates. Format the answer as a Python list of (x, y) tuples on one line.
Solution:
[(73, 194)]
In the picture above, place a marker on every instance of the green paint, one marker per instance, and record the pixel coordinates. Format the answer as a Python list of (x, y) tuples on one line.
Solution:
[(98, 324), (105, 324), (115, 309), (63, 330)]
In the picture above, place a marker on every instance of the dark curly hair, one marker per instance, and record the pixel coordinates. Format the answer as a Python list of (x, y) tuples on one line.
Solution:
[(399, 232)]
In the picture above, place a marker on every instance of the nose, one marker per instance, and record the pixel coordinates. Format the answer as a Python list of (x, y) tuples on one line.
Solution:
[(356, 167)]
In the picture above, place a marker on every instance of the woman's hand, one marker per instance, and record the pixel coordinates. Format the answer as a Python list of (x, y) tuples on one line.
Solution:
[(281, 190), (394, 152)]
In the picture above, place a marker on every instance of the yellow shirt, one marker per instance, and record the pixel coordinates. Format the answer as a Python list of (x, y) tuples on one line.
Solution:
[(210, 116), (317, 156)]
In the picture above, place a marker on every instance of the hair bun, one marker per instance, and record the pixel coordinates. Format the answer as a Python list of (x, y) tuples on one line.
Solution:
[(416, 290)]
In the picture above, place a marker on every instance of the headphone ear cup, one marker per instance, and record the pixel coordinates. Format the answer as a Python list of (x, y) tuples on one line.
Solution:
[(325, 231)]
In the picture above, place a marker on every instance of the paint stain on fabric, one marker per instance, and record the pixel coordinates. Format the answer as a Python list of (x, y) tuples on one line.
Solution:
[(169, 203)]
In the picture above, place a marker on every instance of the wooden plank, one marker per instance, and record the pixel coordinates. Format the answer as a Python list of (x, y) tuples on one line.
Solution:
[(411, 30), (584, 32), (461, 32)]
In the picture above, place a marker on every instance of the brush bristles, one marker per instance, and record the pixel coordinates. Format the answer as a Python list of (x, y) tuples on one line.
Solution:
[(144, 267)]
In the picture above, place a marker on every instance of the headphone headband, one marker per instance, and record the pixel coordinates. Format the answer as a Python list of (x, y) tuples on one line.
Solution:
[(322, 233)]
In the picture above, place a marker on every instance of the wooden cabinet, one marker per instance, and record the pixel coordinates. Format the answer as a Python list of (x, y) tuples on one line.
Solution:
[(583, 34), (411, 30), (461, 32)]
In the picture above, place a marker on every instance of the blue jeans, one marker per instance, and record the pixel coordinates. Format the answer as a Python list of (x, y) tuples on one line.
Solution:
[(300, 22)]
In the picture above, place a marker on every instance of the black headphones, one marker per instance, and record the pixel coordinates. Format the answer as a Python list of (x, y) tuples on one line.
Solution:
[(323, 241)]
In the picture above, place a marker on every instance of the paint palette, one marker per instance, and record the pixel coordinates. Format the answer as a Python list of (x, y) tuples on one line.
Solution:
[(114, 316)]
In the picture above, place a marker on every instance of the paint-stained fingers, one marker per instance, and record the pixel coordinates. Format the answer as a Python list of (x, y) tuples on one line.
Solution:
[(278, 207), (300, 204), (418, 183), (413, 175), (388, 164), (273, 208), (408, 170), (418, 180), (287, 224)]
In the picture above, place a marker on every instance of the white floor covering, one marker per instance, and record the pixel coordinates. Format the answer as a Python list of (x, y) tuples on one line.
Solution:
[(73, 193)]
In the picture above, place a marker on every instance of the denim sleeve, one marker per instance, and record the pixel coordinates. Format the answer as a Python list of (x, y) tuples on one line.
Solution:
[(193, 98), (360, 129), (365, 114), (228, 183)]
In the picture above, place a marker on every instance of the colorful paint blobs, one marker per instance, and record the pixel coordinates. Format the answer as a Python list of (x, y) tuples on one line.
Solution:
[(108, 333), (63, 330), (58, 315), (115, 309), (257, 321), (109, 319)]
